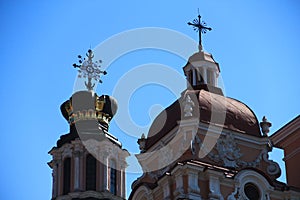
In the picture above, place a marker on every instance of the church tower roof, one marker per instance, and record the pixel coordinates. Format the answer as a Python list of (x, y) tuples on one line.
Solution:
[(86, 110), (88, 162), (205, 140), (202, 72)]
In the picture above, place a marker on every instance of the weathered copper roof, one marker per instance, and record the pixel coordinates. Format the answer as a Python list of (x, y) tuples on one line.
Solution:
[(239, 117)]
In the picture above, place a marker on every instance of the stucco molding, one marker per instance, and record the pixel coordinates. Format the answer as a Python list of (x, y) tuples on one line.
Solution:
[(230, 155), (188, 106), (143, 193), (249, 176)]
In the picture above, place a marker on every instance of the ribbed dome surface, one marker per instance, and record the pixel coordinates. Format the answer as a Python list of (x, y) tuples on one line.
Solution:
[(239, 117)]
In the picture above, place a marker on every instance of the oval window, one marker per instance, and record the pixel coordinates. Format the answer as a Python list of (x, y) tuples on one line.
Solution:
[(251, 191)]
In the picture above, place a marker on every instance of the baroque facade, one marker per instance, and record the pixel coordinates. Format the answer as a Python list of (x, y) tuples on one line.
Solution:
[(203, 146), (213, 147)]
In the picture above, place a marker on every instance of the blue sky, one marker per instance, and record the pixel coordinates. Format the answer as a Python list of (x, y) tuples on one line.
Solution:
[(255, 42)]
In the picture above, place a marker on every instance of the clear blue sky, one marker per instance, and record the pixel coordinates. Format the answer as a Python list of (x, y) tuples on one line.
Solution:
[(256, 43)]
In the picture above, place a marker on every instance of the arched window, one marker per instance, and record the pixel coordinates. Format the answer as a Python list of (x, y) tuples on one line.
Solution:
[(113, 177), (66, 176), (200, 76), (90, 173), (210, 77)]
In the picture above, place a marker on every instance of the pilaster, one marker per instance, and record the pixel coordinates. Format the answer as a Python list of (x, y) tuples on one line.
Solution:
[(214, 184)]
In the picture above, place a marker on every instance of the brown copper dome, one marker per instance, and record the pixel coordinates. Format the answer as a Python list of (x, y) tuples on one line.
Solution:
[(239, 117)]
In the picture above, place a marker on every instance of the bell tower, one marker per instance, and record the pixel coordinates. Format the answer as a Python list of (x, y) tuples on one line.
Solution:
[(88, 163)]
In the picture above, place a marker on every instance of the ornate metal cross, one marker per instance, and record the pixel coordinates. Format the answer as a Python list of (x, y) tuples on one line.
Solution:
[(199, 26), (89, 69)]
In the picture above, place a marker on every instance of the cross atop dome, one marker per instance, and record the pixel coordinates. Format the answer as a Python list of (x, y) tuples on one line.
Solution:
[(89, 69), (200, 27), (201, 70)]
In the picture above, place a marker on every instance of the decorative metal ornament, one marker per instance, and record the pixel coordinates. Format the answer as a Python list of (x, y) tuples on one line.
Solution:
[(89, 69), (200, 27)]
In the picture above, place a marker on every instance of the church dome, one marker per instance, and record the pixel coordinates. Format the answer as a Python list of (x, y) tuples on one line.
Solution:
[(87, 105), (239, 117)]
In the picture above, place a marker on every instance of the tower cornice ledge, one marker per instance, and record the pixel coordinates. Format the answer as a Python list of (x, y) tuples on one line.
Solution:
[(89, 195)]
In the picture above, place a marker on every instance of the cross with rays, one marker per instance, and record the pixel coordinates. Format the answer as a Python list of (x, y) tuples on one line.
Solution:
[(199, 26), (89, 69)]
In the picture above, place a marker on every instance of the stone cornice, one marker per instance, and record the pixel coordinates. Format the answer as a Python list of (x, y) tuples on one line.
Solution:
[(284, 136), (86, 194)]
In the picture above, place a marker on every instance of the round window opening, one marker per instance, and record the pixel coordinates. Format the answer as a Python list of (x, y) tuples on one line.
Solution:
[(251, 191)]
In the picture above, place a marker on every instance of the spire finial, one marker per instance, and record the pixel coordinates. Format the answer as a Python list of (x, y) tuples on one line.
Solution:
[(265, 126), (200, 27), (90, 55), (89, 69), (142, 143)]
